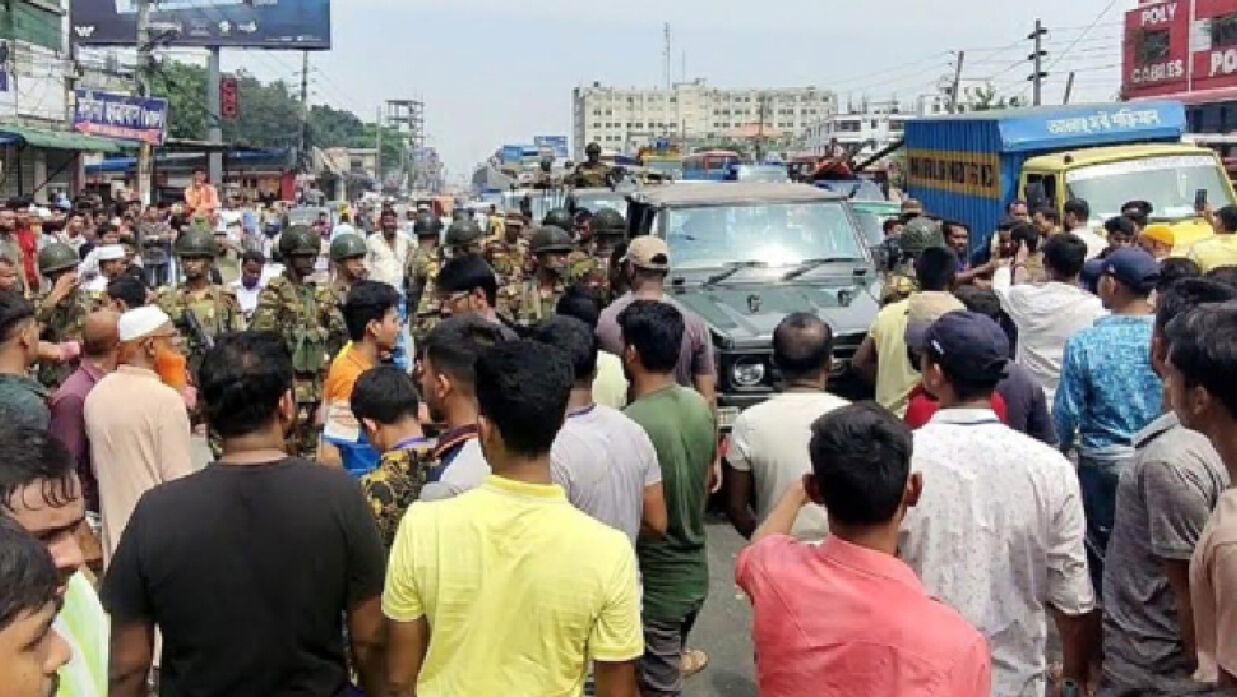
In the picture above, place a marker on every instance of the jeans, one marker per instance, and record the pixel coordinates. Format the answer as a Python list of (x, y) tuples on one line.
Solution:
[(1097, 477), (660, 672)]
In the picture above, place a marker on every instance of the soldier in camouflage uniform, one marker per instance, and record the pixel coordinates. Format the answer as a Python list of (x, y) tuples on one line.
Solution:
[(215, 307), (291, 307), (348, 252), (540, 293), (62, 310), (508, 255), (608, 230), (592, 173), (423, 265), (919, 234)]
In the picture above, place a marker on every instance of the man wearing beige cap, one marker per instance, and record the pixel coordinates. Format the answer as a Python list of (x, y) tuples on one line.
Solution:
[(136, 419), (646, 265)]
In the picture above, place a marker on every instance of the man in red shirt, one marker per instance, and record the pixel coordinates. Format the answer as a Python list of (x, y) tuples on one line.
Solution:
[(848, 618)]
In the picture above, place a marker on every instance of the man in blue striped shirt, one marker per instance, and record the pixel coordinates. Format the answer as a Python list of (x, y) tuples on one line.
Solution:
[(1108, 390)]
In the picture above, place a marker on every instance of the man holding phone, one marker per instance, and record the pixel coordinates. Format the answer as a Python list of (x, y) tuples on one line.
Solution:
[(1221, 249)]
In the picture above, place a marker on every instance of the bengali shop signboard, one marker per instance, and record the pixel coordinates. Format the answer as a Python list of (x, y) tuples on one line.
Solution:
[(139, 119), (279, 24)]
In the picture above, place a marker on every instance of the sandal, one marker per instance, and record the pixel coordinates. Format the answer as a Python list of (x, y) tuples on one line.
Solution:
[(693, 661)]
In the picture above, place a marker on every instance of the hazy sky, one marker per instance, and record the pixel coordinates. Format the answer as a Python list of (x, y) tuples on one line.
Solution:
[(501, 71)]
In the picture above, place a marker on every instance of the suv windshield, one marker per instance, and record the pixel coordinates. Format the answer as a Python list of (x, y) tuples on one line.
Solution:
[(773, 234), (1168, 183), (595, 201)]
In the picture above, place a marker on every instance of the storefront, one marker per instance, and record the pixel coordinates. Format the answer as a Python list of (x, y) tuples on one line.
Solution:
[(37, 162)]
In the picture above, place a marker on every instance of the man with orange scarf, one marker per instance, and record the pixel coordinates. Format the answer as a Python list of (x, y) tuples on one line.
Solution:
[(136, 419)]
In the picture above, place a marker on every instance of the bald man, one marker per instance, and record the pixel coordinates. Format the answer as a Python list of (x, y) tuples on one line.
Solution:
[(100, 342)]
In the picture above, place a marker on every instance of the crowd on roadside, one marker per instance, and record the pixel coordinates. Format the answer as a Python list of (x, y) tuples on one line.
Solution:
[(516, 502)]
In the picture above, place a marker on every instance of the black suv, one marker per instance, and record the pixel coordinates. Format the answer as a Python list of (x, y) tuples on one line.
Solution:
[(745, 255)]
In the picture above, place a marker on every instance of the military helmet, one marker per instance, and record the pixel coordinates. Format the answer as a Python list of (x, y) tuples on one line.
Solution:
[(57, 257), (558, 217), (592, 149), (550, 238), (195, 242), (348, 246), (608, 221), (426, 224), (463, 232), (920, 234), (298, 240)]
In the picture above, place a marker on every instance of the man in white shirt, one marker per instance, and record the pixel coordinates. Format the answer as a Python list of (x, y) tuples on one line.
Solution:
[(251, 282), (1077, 217), (1046, 314), (388, 252), (602, 459), (769, 442), (112, 263), (998, 532)]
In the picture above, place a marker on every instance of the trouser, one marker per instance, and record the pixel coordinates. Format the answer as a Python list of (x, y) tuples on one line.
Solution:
[(1097, 477), (660, 672), (302, 440)]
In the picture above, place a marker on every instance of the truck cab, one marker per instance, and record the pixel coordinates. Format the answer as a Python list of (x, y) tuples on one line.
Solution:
[(745, 255), (1168, 176)]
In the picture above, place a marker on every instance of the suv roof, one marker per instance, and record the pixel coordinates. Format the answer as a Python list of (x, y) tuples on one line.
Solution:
[(738, 192)]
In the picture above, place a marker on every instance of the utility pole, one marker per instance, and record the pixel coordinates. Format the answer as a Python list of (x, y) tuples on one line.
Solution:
[(145, 153), (1037, 61), (1069, 87), (378, 146), (953, 90), (214, 119), (760, 128), (303, 141)]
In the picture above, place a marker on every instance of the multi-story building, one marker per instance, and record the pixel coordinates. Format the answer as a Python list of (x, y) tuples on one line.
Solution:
[(622, 120)]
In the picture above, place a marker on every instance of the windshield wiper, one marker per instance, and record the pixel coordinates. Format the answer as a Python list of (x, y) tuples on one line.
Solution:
[(810, 264), (733, 268)]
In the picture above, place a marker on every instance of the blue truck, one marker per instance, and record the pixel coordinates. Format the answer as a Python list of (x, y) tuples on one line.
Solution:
[(970, 167)]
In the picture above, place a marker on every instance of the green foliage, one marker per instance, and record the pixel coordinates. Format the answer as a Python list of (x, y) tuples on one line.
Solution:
[(269, 114)]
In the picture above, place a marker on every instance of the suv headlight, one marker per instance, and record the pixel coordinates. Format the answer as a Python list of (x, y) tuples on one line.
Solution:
[(748, 372)]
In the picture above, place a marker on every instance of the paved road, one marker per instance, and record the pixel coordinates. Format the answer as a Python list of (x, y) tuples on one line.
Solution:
[(724, 628)]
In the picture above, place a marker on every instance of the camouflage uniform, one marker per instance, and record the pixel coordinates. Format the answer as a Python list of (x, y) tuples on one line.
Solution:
[(423, 266), (590, 174), (537, 302), (395, 484), (296, 312), (510, 263), (64, 320), (216, 308)]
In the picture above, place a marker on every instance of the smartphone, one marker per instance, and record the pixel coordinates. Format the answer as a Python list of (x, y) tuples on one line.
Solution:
[(1200, 199)]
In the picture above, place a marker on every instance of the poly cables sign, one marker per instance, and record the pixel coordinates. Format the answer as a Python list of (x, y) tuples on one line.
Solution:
[(141, 119), (284, 24)]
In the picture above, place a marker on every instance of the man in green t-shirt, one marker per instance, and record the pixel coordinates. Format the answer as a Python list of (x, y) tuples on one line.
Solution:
[(674, 568)]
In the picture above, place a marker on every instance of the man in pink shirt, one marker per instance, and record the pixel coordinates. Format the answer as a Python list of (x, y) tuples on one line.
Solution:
[(847, 618)]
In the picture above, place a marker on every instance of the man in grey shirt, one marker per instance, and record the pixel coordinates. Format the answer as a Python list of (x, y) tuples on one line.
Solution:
[(448, 358), (603, 459), (647, 263), (1163, 501)]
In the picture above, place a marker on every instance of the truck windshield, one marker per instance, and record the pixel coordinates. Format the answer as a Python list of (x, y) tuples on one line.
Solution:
[(774, 234), (1168, 183)]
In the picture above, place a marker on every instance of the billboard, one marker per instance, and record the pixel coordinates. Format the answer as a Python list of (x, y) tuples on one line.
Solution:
[(282, 24), (554, 144), (140, 119), (1178, 47)]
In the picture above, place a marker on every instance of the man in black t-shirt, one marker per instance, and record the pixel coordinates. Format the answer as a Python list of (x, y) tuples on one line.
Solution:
[(248, 567)]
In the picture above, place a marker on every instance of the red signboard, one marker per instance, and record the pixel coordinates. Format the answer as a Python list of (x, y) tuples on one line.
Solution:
[(1156, 48), (1179, 47), (229, 98)]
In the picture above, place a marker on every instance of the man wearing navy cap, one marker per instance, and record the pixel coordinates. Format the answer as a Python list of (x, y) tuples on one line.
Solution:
[(1014, 500), (1109, 391)]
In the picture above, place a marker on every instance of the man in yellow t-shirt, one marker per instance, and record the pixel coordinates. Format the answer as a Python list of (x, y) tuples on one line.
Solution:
[(508, 589), (372, 317), (1220, 249)]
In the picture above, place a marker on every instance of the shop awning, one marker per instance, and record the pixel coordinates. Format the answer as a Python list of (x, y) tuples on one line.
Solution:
[(57, 140)]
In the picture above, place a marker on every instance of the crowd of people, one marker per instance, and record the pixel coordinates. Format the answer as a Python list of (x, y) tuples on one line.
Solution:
[(455, 459)]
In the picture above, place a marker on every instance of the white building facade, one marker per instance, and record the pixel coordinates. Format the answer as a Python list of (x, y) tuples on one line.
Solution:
[(622, 120)]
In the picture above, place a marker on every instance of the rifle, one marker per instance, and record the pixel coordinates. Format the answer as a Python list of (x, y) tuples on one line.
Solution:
[(196, 331)]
